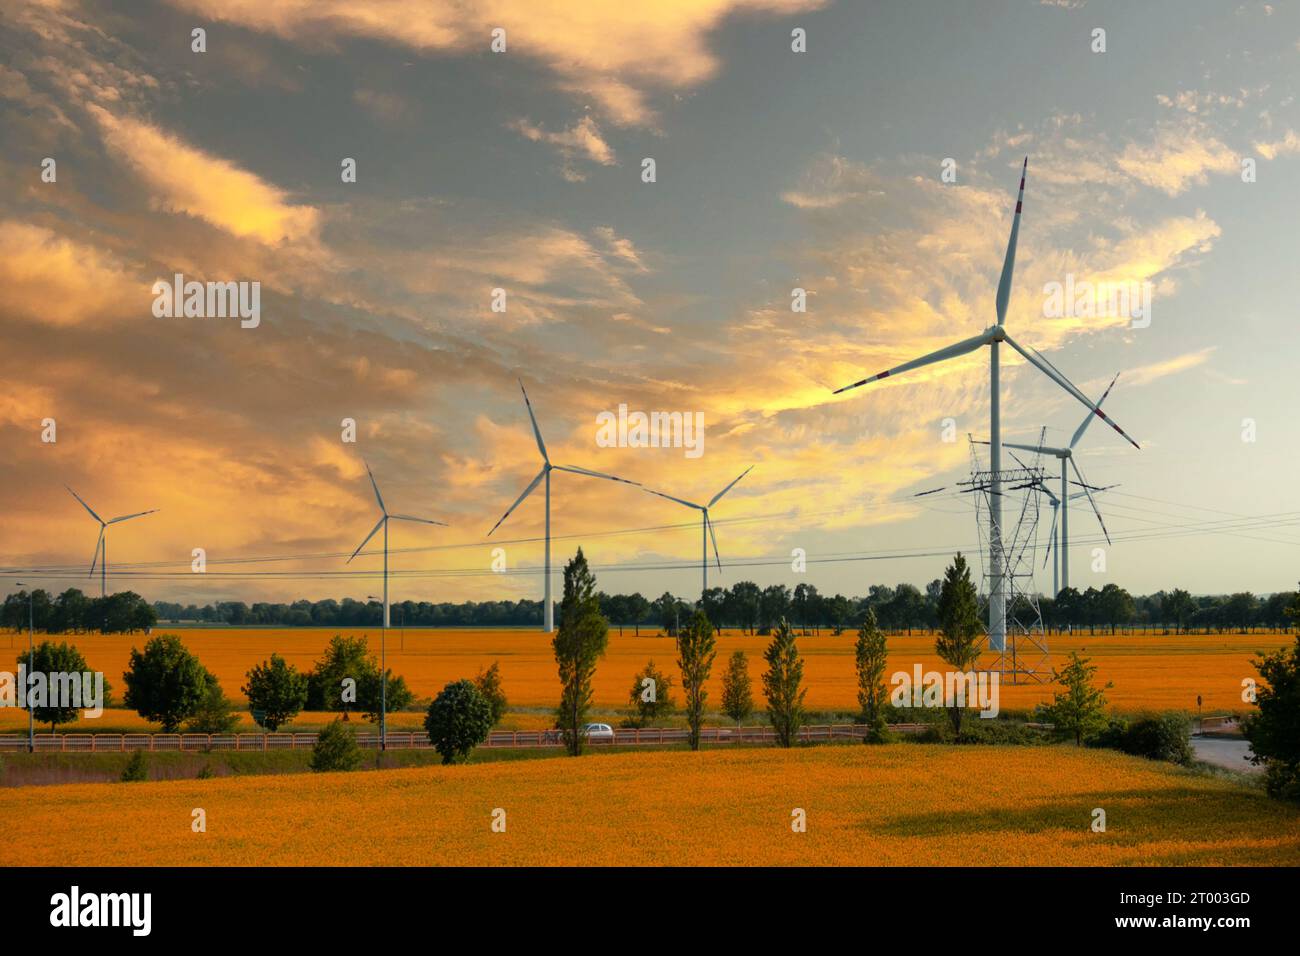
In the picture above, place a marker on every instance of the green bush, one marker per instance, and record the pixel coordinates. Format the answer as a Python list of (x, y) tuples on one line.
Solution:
[(459, 719), (335, 749), (137, 768), (1164, 736)]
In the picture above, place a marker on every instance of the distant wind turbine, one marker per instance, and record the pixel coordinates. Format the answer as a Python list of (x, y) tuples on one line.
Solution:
[(101, 546), (548, 613), (1066, 457), (1054, 547), (706, 530), (993, 337), (383, 645), (383, 523)]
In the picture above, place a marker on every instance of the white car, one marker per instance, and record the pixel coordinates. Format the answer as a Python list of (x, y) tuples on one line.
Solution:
[(602, 733)]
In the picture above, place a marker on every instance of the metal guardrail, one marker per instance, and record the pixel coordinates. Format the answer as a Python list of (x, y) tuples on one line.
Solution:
[(415, 740)]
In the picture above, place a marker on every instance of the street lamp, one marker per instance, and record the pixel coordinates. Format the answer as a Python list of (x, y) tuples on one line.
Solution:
[(31, 661), (383, 679)]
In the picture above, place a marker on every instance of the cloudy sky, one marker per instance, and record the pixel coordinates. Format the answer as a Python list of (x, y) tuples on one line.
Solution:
[(1171, 159)]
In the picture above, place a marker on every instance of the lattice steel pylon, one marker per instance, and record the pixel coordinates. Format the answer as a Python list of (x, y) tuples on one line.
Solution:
[(1026, 658)]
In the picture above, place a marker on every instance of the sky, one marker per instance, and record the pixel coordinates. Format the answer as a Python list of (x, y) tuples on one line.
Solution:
[(875, 169)]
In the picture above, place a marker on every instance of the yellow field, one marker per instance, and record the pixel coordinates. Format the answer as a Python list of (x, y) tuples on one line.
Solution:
[(894, 805), (1148, 671)]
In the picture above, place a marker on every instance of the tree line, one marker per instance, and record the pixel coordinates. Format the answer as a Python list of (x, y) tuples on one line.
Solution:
[(743, 606)]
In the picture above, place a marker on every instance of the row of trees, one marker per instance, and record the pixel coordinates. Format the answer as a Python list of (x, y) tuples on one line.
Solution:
[(73, 612), (748, 607)]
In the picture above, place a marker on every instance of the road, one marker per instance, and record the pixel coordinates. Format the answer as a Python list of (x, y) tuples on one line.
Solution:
[(1228, 752)]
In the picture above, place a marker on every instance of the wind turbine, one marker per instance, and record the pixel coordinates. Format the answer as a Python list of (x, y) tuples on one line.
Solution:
[(383, 640), (383, 523), (706, 530), (1066, 457), (548, 613), (1053, 545), (993, 337), (101, 546)]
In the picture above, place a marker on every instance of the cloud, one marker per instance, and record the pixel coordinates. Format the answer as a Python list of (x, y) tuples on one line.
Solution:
[(1180, 155), (582, 140), (1146, 374), (616, 54), (1288, 144), (187, 180), (47, 277)]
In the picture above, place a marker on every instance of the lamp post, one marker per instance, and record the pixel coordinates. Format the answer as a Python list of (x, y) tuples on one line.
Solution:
[(383, 671), (31, 660)]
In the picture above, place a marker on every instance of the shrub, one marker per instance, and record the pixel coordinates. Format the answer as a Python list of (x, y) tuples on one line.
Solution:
[(137, 768), (206, 772), (737, 696), (649, 703), (215, 713), (335, 749), (166, 683), (277, 692), (459, 719), (1274, 730), (488, 683), (1164, 736)]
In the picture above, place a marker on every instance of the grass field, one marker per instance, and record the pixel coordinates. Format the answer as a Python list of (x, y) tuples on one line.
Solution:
[(1148, 671), (894, 805)]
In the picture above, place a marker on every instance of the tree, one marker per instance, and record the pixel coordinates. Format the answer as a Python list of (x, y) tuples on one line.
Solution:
[(215, 713), (737, 695), (340, 673), (1079, 710), (871, 657), (335, 749), (579, 642), (959, 625), (742, 605), (1178, 607), (50, 658), (638, 609), (649, 697), (781, 685), (488, 683), (275, 691), (373, 697), (166, 683), (459, 719), (1274, 729), (838, 610), (696, 649)]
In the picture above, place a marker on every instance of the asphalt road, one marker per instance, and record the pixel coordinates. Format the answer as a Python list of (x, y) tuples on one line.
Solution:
[(1225, 752)]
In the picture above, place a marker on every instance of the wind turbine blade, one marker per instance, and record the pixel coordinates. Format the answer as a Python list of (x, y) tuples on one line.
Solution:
[(922, 494), (1051, 535), (680, 501), (1036, 449), (95, 560), (537, 432), (527, 491), (84, 505), (1087, 419), (138, 514), (441, 524), (730, 486), (1017, 460), (378, 497), (1009, 263), (595, 474), (1088, 491), (950, 351), (378, 525), (1048, 369), (708, 523)]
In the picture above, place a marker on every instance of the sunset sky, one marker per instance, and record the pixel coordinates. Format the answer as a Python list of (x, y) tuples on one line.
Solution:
[(523, 170)]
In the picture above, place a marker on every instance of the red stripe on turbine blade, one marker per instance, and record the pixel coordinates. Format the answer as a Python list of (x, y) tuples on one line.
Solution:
[(1018, 204), (1102, 416), (883, 375)]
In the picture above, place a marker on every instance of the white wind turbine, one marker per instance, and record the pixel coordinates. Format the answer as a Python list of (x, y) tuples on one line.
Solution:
[(706, 530), (383, 523), (383, 641), (1054, 549), (548, 613), (101, 546), (993, 337), (1066, 457)]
